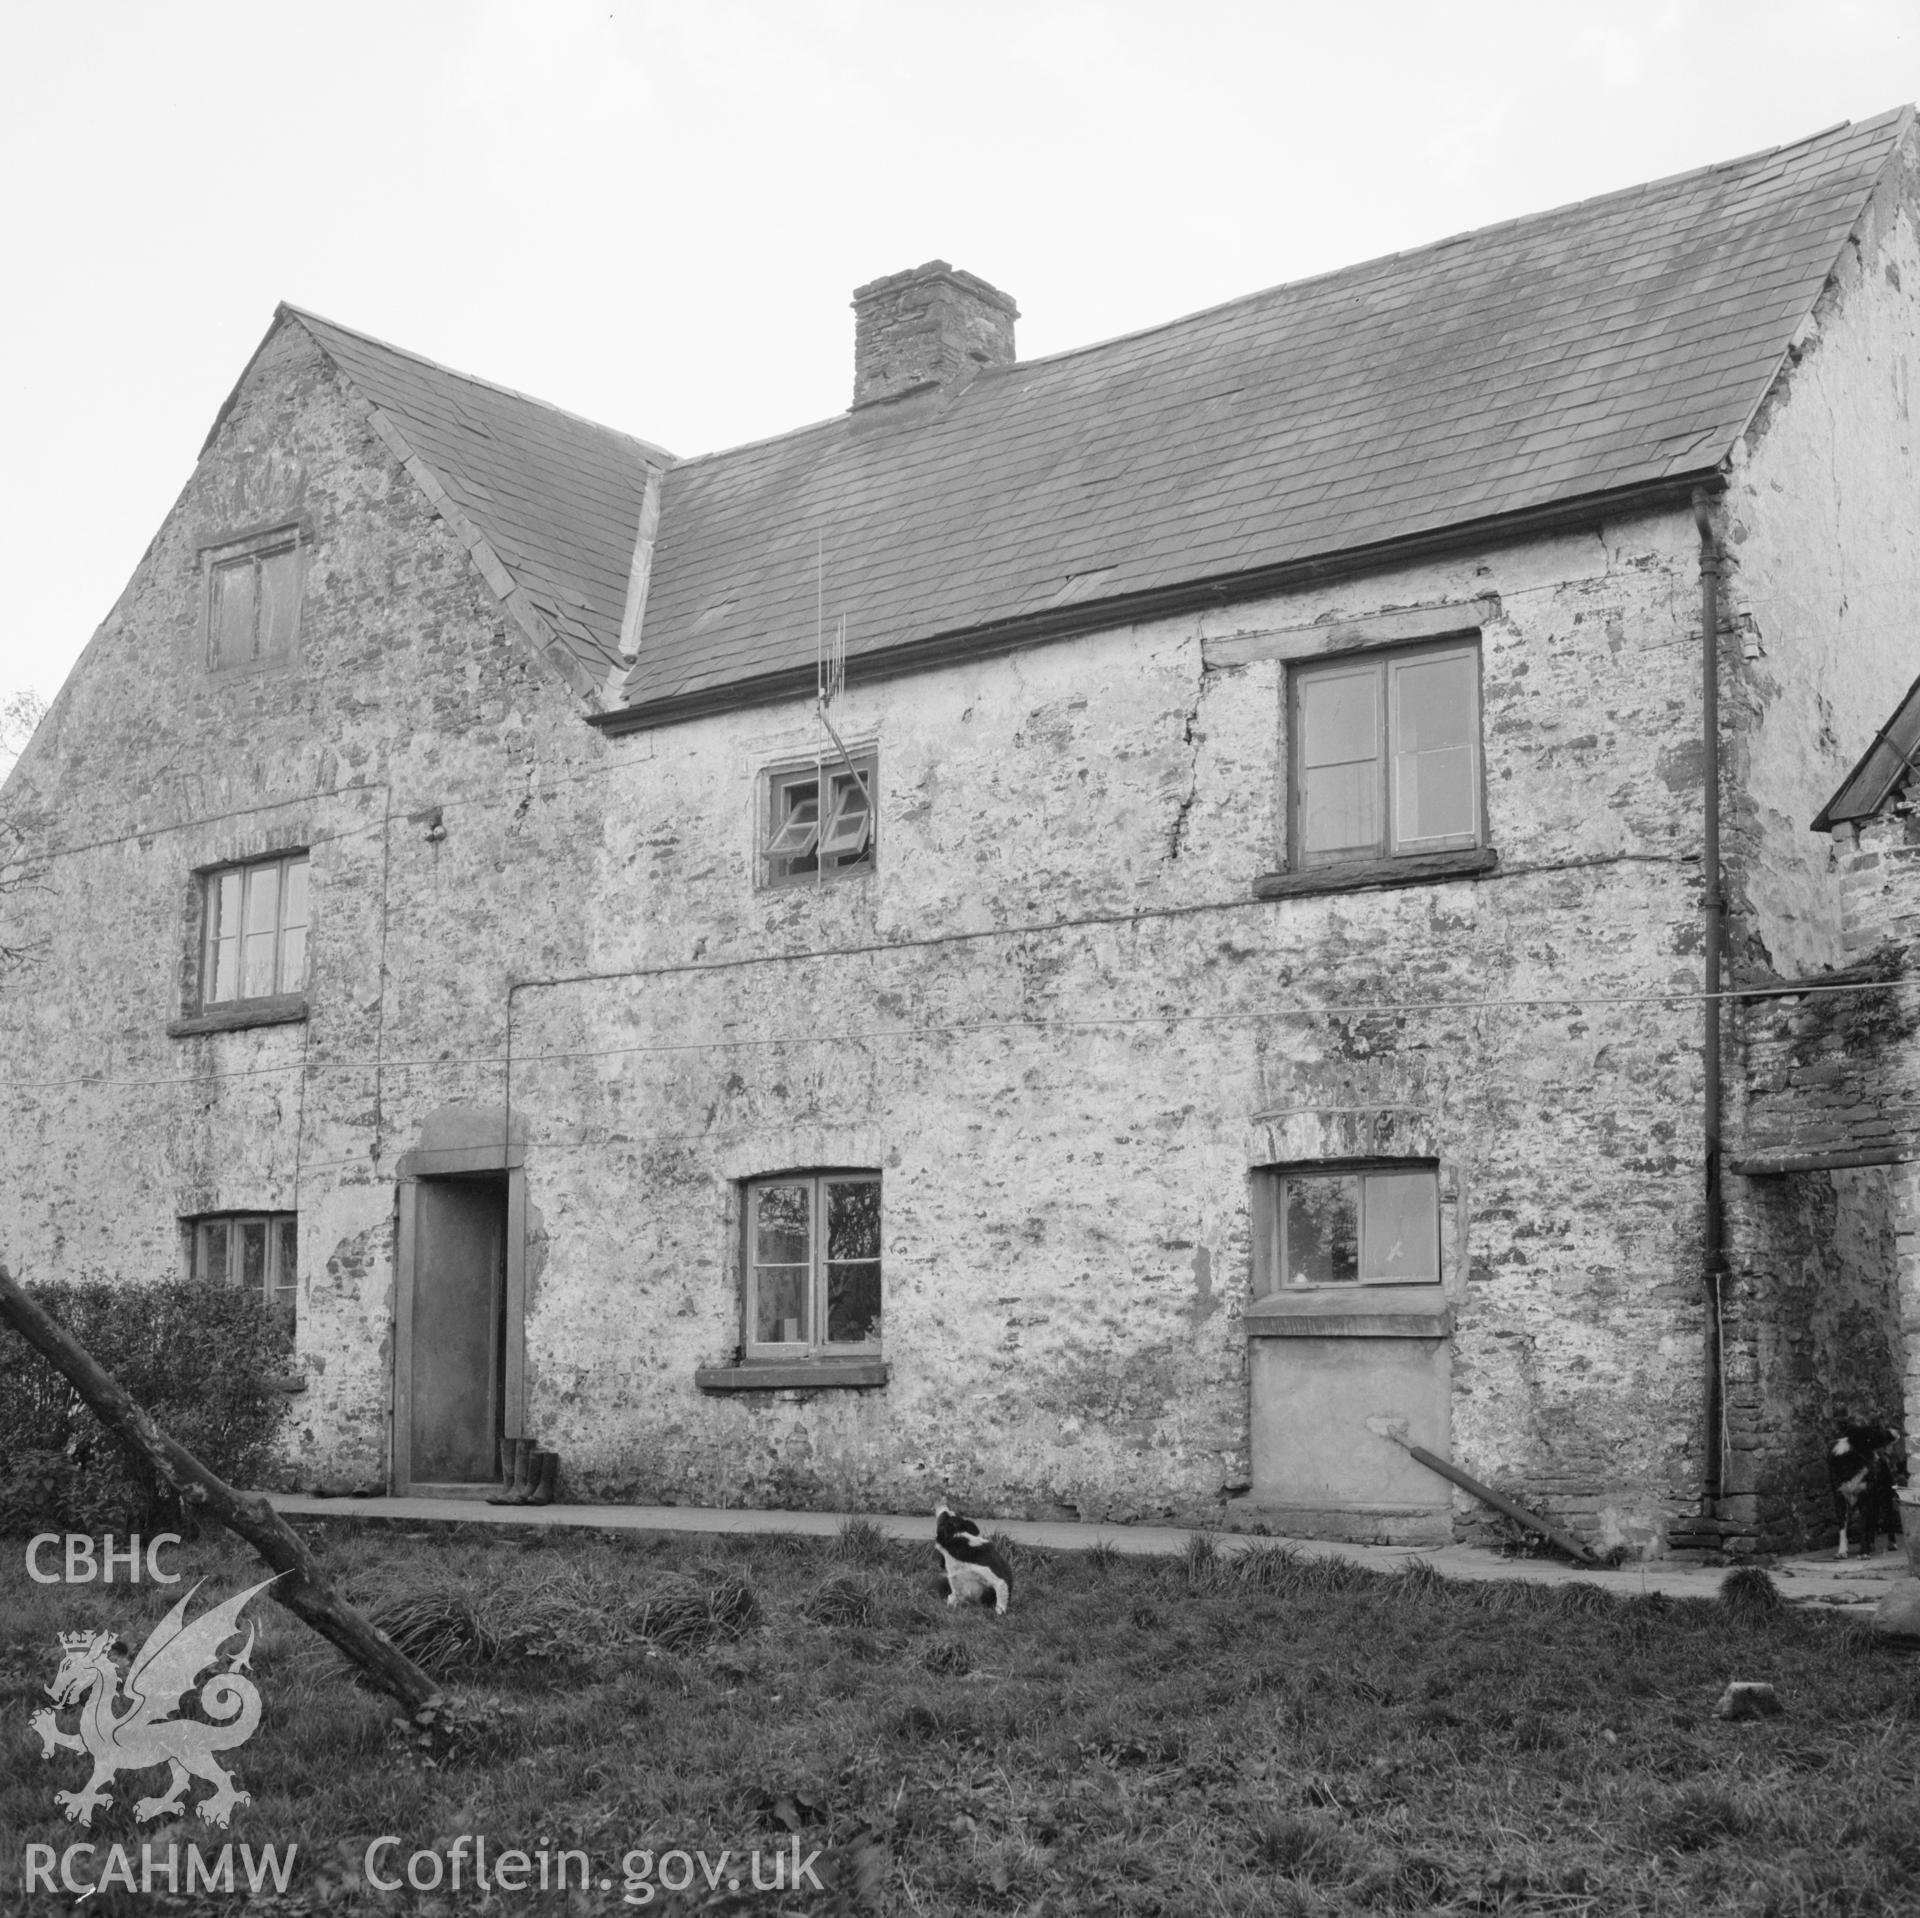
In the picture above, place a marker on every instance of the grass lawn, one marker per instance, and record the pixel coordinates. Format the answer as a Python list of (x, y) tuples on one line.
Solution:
[(1261, 1734)]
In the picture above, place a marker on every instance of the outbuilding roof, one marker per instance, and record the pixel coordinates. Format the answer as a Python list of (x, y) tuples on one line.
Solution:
[(1881, 770)]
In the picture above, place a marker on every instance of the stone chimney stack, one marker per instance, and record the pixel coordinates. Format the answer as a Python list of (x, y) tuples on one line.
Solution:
[(931, 327)]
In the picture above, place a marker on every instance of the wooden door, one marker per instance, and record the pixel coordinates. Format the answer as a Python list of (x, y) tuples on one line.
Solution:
[(457, 1351)]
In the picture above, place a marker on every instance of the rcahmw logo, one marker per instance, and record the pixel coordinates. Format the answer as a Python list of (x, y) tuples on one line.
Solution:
[(174, 1868), (148, 1731)]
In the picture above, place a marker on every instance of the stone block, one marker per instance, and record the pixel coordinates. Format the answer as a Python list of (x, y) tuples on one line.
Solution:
[(1897, 1616)]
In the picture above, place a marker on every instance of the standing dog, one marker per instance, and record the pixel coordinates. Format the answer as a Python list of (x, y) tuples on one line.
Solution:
[(1865, 1463), (975, 1570)]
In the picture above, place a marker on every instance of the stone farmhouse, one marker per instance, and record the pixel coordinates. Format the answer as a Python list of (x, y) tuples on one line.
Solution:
[(1090, 933)]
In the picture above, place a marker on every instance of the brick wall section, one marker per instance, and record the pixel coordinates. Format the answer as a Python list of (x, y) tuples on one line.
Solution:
[(1821, 1067)]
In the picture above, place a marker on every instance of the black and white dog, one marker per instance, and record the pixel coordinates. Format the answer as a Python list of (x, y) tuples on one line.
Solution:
[(974, 1569), (1865, 1463)]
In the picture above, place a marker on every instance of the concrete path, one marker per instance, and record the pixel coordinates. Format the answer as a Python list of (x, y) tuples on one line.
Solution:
[(1806, 1581)]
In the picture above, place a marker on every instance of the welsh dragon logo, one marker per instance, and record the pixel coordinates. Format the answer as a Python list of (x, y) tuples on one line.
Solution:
[(147, 1732)]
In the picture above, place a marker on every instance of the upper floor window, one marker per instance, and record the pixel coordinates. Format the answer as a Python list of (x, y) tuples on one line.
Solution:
[(810, 839), (1369, 1225), (813, 1265), (256, 931), (253, 600), (260, 1251), (1386, 755)]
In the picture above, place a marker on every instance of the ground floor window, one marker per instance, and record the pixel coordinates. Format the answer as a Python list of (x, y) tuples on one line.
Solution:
[(258, 1250), (812, 1264), (1347, 1225)]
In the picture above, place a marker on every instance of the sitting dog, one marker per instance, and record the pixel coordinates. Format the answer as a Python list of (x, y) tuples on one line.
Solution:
[(974, 1569), (1865, 1463)]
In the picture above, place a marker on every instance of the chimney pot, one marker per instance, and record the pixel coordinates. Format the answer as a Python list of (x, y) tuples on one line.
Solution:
[(930, 327)]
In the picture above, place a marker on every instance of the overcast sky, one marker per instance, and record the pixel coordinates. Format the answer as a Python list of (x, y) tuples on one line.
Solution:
[(653, 211)]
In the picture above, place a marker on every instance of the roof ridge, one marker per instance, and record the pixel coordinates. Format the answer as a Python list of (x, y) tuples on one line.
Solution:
[(1518, 220), (308, 316), (779, 438)]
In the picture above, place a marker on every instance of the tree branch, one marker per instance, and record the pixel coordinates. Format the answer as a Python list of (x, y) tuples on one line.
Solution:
[(302, 1588)]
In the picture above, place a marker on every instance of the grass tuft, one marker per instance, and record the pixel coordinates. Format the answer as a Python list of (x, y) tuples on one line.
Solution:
[(1582, 1598), (842, 1598), (1750, 1596), (1270, 1568), (861, 1542), (1418, 1581), (440, 1631), (688, 1611), (1202, 1560)]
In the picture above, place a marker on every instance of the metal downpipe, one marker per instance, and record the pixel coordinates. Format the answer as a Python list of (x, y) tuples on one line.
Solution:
[(1714, 917)]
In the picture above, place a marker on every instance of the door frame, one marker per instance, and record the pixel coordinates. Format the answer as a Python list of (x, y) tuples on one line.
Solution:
[(453, 1162)]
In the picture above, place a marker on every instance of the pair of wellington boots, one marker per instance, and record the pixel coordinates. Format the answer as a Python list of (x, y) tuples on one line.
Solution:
[(527, 1475)]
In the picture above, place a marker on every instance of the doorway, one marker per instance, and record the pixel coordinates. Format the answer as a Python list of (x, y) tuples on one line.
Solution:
[(1319, 1467), (451, 1372)]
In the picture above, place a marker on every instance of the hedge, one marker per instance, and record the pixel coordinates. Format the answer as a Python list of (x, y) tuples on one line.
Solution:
[(200, 1359)]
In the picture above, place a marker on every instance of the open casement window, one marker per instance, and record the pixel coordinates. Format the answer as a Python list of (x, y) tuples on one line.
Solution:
[(1386, 755), (805, 848), (813, 1265), (1372, 1225), (253, 601), (257, 1250), (255, 946)]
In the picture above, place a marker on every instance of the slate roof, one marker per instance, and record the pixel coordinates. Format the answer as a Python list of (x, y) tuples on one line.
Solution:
[(1602, 347), (557, 497), (1882, 768)]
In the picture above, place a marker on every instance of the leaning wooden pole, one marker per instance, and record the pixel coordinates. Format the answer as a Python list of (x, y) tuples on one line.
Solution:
[(1396, 1430), (301, 1587)]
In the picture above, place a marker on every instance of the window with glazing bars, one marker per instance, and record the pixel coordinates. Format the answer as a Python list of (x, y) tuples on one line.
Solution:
[(255, 945), (805, 848), (257, 1250), (813, 1265), (1370, 1225), (253, 601), (1386, 755)]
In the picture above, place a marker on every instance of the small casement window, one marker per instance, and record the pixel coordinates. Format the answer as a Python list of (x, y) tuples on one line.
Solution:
[(256, 931), (1386, 755), (257, 1250), (813, 1265), (809, 843), (1367, 1225), (253, 601)]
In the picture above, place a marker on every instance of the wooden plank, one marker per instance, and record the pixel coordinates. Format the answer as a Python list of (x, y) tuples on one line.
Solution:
[(1412, 869), (1768, 1166)]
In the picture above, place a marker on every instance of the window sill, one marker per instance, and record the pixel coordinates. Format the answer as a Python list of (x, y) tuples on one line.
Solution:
[(1351, 1325), (791, 1375), (809, 882), (288, 1009), (1416, 1309), (1418, 869)]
